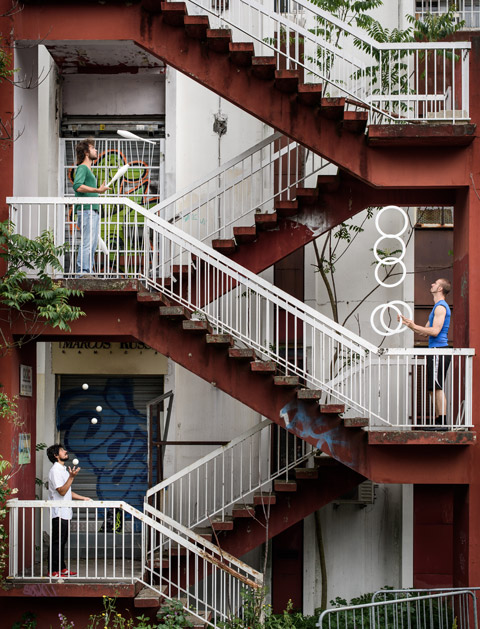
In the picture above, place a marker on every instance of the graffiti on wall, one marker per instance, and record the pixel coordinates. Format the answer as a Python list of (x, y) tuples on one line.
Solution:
[(113, 452)]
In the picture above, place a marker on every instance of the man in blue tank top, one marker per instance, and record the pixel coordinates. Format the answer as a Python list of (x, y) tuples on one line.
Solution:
[(437, 331)]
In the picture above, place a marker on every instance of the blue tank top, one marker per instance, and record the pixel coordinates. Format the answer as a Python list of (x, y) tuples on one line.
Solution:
[(442, 339)]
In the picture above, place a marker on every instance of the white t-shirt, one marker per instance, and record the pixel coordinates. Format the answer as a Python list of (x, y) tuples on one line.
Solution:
[(57, 477)]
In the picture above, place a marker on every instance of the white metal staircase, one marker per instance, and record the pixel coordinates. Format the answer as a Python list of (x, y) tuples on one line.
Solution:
[(389, 387), (386, 79)]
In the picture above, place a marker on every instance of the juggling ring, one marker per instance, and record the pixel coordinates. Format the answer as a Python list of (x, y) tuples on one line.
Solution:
[(387, 331), (390, 262), (397, 209)]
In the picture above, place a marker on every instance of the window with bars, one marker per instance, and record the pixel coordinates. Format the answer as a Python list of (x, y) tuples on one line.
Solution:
[(465, 10), (434, 216)]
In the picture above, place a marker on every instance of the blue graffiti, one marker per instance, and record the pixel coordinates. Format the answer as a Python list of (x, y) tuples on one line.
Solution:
[(326, 433), (115, 449)]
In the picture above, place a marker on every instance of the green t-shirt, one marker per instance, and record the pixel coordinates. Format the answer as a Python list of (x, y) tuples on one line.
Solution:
[(83, 175)]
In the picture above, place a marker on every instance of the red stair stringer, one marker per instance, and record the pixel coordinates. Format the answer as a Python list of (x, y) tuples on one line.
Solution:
[(329, 210), (394, 165), (289, 508), (116, 315)]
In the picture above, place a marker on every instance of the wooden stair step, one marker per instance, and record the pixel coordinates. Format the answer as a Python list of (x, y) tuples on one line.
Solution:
[(307, 196), (196, 26), (224, 245), (286, 208), (173, 13), (245, 234), (197, 325), (163, 564), (355, 422), (243, 511), (264, 67), (222, 525), (306, 473), (355, 121), (266, 220), (287, 80), (183, 269), (285, 486), (148, 598), (310, 93), (192, 621), (175, 312), (333, 108), (241, 353), (155, 299), (266, 498), (328, 183), (241, 53), (263, 366), (219, 39), (286, 381), (205, 532), (309, 394), (333, 409), (219, 339)]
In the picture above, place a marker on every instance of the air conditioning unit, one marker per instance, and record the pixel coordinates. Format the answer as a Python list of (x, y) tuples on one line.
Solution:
[(362, 495)]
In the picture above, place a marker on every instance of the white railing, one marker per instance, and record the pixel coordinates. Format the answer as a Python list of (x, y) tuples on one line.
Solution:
[(158, 553), (394, 81), (387, 386), (250, 182), (467, 11), (230, 475), (447, 609)]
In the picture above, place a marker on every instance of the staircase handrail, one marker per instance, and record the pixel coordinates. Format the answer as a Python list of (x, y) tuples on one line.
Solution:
[(159, 535), (217, 186), (221, 262), (362, 91), (164, 484), (180, 495), (255, 578), (388, 387), (215, 172)]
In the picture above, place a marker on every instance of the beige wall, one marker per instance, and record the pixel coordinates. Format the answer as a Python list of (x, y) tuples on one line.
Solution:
[(95, 357)]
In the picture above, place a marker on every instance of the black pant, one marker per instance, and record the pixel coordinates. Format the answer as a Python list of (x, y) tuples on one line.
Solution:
[(59, 539)]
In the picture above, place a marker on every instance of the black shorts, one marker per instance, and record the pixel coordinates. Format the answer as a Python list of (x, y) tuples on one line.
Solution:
[(437, 367)]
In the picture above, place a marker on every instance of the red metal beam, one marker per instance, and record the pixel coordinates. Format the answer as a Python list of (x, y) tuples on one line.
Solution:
[(391, 166)]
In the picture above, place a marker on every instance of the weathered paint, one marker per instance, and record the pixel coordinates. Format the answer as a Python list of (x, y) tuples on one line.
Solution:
[(390, 166)]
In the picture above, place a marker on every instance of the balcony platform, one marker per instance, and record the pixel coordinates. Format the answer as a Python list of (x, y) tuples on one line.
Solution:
[(421, 437), (105, 583)]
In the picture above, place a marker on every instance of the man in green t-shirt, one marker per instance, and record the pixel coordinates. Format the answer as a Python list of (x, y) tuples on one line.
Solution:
[(88, 217)]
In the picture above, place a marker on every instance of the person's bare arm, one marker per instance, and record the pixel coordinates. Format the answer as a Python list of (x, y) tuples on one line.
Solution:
[(100, 190), (78, 497), (435, 329), (64, 488)]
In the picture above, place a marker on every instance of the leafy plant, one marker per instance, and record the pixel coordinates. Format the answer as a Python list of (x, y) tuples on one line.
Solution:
[(27, 621), (173, 615), (43, 301), (5, 492)]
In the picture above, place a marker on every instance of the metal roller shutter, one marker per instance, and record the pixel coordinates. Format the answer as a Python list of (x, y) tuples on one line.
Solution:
[(113, 454)]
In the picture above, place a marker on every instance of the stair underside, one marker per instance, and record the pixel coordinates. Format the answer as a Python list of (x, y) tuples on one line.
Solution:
[(304, 418), (393, 165)]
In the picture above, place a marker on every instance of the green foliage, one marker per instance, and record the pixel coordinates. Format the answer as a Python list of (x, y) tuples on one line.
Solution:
[(256, 614), (5, 492), (6, 71), (27, 621), (43, 300), (173, 615)]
